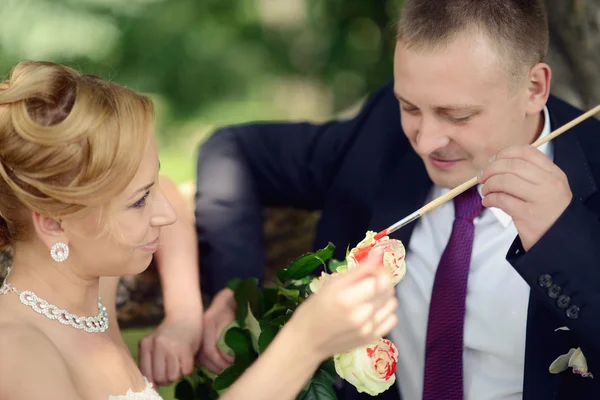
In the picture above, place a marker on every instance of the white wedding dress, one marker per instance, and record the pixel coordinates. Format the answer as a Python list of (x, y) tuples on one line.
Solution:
[(148, 394)]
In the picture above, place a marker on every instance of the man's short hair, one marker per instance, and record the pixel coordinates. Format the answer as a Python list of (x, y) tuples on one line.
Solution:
[(519, 28)]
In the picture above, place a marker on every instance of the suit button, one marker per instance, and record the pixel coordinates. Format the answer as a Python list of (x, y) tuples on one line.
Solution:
[(554, 291), (563, 301), (545, 281), (573, 312)]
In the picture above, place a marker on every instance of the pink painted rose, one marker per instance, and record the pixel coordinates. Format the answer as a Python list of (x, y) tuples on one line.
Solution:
[(371, 369), (392, 256)]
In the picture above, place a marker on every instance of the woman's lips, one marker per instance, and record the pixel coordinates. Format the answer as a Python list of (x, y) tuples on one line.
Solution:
[(151, 247)]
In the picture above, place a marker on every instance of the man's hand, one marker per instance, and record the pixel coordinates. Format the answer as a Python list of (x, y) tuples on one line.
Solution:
[(526, 185), (167, 354), (220, 314)]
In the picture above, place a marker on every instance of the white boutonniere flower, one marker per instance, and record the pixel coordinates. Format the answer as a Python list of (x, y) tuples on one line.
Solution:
[(573, 359)]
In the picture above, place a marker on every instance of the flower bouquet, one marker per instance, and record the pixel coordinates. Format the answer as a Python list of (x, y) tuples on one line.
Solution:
[(261, 312)]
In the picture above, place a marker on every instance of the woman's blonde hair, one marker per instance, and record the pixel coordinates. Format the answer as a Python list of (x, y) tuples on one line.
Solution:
[(67, 142)]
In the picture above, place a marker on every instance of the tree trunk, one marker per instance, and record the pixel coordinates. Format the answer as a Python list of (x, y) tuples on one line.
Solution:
[(575, 50)]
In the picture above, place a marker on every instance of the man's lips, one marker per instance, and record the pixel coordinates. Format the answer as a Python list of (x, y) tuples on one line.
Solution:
[(444, 163)]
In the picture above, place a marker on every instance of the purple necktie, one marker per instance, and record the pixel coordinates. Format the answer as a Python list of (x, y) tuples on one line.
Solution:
[(444, 349)]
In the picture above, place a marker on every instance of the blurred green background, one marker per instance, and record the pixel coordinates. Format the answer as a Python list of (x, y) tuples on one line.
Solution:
[(212, 62)]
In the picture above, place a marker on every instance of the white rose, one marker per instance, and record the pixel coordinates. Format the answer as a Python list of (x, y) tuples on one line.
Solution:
[(371, 369), (318, 282), (392, 256)]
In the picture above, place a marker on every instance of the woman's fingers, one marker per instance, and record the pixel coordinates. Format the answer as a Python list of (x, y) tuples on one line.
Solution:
[(386, 326), (384, 312)]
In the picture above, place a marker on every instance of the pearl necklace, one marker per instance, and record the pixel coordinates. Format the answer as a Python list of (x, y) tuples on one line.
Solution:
[(95, 324)]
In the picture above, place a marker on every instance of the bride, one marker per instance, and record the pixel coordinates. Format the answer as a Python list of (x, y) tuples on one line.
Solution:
[(79, 200)]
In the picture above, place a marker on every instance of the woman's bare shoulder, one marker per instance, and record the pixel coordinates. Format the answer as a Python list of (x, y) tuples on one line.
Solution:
[(31, 366)]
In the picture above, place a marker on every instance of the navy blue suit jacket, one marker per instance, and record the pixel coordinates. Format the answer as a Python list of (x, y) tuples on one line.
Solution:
[(363, 174)]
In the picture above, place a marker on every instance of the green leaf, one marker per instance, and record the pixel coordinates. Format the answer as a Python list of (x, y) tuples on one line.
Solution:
[(247, 293), (229, 375), (306, 264), (234, 283), (239, 341), (334, 264), (290, 294), (269, 299), (302, 282), (319, 388), (276, 308), (204, 390), (207, 373), (254, 328), (241, 344), (328, 372), (281, 320), (266, 336), (184, 390), (221, 345)]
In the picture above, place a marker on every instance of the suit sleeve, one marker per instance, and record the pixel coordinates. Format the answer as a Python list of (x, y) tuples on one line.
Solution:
[(563, 271), (241, 169)]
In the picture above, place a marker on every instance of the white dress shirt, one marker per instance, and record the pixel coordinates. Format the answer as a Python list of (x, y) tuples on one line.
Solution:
[(496, 308)]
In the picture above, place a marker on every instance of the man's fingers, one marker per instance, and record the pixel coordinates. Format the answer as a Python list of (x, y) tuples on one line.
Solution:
[(215, 356), (209, 364), (186, 363), (226, 357), (159, 366), (173, 370), (515, 166), (210, 352), (512, 185), (505, 202), (528, 153)]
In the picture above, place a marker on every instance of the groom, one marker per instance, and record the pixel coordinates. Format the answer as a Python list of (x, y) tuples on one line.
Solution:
[(491, 274)]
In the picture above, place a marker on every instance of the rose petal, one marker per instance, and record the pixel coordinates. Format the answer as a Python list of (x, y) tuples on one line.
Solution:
[(561, 363), (578, 362), (393, 255)]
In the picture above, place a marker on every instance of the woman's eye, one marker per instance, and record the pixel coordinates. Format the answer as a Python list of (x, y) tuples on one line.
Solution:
[(141, 202)]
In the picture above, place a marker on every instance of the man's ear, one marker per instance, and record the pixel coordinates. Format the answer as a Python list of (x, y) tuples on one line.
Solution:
[(540, 77), (49, 230)]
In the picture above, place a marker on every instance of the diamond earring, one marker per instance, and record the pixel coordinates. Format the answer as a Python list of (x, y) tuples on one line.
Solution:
[(60, 251)]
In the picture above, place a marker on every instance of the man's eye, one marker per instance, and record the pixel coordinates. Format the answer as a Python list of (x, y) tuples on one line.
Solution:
[(460, 120), (411, 110)]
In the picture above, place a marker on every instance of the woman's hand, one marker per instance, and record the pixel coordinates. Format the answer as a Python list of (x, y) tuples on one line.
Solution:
[(348, 311)]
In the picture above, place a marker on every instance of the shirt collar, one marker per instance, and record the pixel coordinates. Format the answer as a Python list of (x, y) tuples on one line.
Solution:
[(547, 148)]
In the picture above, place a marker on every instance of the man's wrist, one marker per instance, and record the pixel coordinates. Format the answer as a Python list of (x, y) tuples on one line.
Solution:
[(225, 297), (189, 309)]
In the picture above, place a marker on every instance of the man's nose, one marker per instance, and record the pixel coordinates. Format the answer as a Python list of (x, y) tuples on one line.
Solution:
[(430, 136)]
